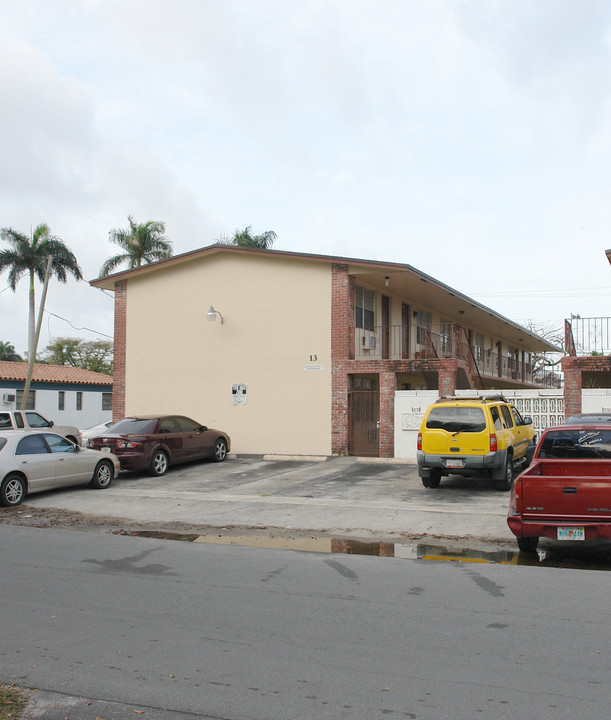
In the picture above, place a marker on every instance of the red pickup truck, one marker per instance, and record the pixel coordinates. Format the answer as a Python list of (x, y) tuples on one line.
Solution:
[(565, 494)]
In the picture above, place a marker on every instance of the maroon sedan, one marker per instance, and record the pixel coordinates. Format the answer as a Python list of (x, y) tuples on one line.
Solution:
[(154, 442)]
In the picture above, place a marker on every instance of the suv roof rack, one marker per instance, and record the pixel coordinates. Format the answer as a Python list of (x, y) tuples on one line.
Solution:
[(473, 398)]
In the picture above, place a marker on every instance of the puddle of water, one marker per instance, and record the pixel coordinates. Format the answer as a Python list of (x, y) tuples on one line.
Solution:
[(438, 552), (556, 556), (278, 543)]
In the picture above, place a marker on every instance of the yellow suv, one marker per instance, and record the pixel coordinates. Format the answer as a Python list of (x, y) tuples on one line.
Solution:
[(470, 435)]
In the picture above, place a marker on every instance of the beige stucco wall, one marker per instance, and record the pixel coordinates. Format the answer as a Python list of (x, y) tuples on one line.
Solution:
[(277, 322)]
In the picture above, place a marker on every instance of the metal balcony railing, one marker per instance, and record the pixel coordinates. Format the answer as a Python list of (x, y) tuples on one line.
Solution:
[(395, 342), (587, 336)]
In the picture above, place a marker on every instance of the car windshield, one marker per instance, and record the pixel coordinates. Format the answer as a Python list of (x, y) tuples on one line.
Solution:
[(456, 419), (578, 444), (134, 426)]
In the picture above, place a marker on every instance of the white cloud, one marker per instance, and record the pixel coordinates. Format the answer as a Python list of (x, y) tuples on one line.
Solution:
[(465, 138)]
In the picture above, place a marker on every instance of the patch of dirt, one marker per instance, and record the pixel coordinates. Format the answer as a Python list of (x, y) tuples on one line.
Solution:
[(25, 515)]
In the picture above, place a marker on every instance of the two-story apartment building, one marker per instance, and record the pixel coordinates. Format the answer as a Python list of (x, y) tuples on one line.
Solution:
[(306, 351)]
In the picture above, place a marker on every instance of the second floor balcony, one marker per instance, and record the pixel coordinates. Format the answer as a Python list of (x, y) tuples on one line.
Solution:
[(401, 342)]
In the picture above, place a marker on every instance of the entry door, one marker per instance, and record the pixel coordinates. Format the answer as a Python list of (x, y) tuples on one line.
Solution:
[(364, 415), (385, 327), (404, 330)]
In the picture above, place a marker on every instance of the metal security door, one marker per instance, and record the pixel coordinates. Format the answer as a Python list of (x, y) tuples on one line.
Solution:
[(364, 418)]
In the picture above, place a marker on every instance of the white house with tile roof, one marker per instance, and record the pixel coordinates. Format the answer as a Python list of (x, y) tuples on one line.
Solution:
[(66, 395)]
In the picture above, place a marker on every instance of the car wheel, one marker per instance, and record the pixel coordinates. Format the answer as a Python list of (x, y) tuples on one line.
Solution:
[(103, 475), (507, 481), (12, 491), (528, 544), (433, 480), (220, 450), (159, 463)]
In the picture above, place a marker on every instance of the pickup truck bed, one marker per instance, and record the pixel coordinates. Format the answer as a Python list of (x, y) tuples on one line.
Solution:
[(563, 498)]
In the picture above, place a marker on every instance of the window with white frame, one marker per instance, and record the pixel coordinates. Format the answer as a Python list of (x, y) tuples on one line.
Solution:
[(79, 400), (61, 400), (106, 401), (364, 308)]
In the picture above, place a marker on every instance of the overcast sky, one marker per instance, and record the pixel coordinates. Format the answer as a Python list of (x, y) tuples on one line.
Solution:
[(468, 138)]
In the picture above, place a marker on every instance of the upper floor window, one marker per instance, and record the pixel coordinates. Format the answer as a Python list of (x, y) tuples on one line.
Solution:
[(61, 400), (478, 345), (445, 337), (79, 400), (364, 306), (423, 326), (106, 401)]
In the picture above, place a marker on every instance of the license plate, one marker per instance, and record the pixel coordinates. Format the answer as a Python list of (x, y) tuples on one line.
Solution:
[(571, 533), (454, 463), (105, 449)]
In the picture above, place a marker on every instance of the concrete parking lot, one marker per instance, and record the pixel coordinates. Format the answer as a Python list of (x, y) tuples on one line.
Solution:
[(342, 496)]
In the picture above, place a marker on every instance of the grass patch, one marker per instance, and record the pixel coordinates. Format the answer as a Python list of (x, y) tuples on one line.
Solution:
[(12, 702)]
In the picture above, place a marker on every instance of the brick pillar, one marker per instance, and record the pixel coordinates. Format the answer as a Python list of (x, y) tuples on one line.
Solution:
[(572, 385), (388, 385), (341, 322), (447, 377), (118, 382)]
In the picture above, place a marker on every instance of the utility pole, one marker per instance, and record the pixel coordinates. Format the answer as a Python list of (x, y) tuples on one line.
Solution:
[(32, 358)]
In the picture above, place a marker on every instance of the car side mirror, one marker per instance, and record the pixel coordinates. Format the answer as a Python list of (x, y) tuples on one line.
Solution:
[(51, 423), (202, 428), (528, 420)]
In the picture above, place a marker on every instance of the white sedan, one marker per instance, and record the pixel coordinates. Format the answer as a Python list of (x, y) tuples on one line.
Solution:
[(33, 461)]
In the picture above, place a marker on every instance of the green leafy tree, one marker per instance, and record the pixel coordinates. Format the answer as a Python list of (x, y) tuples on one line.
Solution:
[(96, 355), (7, 352), (29, 256), (245, 238), (141, 243)]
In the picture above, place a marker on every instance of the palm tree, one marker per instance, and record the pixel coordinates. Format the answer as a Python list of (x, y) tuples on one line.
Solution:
[(245, 238), (30, 256), (141, 243), (8, 352)]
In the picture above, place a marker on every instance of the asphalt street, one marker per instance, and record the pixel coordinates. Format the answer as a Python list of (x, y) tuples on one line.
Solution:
[(116, 627)]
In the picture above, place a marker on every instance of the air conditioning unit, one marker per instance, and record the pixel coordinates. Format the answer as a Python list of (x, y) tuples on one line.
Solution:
[(8, 398), (369, 342)]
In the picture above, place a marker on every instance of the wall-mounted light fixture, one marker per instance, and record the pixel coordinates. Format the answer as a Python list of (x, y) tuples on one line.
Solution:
[(386, 280), (212, 313)]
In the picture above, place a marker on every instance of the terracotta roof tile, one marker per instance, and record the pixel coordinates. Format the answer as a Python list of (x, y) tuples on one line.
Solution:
[(52, 374)]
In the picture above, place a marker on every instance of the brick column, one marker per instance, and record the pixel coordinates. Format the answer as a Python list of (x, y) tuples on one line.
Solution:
[(118, 373), (341, 322), (572, 385), (388, 385), (447, 377)]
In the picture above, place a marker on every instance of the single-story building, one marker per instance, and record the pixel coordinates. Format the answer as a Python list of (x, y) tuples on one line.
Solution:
[(294, 353), (64, 394)]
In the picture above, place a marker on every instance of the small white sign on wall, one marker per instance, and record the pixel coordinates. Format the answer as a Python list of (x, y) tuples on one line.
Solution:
[(238, 393)]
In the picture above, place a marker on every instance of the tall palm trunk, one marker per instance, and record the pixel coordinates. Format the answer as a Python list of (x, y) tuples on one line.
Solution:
[(31, 316)]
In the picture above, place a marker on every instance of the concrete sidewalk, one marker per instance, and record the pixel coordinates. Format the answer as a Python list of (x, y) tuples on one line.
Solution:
[(343, 496)]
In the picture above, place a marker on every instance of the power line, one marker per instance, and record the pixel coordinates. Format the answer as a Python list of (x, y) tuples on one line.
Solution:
[(95, 332)]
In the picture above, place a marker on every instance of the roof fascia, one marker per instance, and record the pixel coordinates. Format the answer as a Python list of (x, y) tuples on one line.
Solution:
[(355, 265)]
